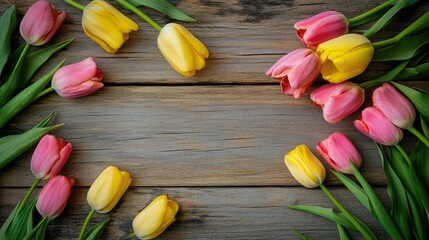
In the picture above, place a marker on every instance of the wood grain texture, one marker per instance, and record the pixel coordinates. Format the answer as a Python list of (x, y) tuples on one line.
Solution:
[(212, 213), (187, 135)]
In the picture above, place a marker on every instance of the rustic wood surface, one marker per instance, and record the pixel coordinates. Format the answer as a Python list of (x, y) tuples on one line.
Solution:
[(214, 143)]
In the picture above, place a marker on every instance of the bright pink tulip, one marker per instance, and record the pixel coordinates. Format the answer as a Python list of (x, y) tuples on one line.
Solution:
[(375, 125), (338, 100), (339, 152), (296, 71), (321, 28), (78, 79), (40, 23), (50, 156), (394, 106), (54, 196)]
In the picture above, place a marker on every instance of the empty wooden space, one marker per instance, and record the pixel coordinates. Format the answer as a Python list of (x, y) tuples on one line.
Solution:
[(214, 143)]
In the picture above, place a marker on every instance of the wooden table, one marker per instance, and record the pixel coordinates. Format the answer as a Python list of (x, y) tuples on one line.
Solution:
[(214, 143)]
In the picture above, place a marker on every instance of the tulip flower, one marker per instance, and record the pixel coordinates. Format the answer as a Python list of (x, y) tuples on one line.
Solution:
[(40, 23), (182, 50), (374, 124), (49, 157), (155, 218), (344, 57), (321, 28), (305, 167), (106, 26), (338, 100), (296, 71), (340, 153), (54, 196), (397, 108), (78, 79), (107, 189)]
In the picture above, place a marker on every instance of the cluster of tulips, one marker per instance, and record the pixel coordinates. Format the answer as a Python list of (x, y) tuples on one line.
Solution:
[(339, 56)]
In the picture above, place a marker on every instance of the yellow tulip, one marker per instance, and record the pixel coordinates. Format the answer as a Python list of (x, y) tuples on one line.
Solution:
[(183, 51), (155, 218), (105, 25), (344, 57), (305, 167), (107, 189)]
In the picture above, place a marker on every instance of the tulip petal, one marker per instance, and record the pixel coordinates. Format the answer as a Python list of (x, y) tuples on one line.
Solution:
[(305, 72), (196, 44), (169, 218), (150, 218), (340, 106)]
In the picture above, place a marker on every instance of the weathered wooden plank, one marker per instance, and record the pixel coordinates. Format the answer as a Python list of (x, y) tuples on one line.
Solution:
[(211, 213), (244, 37), (187, 136)]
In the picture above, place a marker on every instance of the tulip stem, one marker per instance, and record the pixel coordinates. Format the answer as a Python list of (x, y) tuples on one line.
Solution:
[(141, 14), (34, 230), (75, 4), (132, 235), (404, 154), (389, 76), (420, 136), (27, 196), (367, 234), (85, 225), (44, 92), (370, 15)]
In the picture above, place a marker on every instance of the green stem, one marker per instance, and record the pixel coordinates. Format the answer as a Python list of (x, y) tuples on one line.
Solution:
[(360, 19), (417, 26), (367, 234), (75, 4), (420, 136), (85, 225), (389, 76), (132, 235), (44, 92), (404, 154), (34, 231), (139, 13), (28, 195)]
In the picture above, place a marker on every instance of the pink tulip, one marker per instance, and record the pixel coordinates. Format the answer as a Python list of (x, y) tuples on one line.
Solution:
[(40, 23), (78, 79), (339, 152), (394, 106), (50, 156), (54, 196), (338, 100), (321, 28), (375, 125), (296, 71)]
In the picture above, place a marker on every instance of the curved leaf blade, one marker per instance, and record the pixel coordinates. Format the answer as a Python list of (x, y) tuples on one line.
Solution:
[(164, 7), (402, 50), (8, 22)]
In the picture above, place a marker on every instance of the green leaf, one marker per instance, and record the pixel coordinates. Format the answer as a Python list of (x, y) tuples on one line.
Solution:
[(355, 189), (380, 210), (420, 163), (402, 50), (18, 228), (342, 232), (93, 233), (327, 213), (421, 71), (425, 127), (300, 235), (397, 195), (34, 60), (418, 97), (8, 23), (8, 221), (419, 221), (40, 235), (25, 97), (164, 7), (14, 145)]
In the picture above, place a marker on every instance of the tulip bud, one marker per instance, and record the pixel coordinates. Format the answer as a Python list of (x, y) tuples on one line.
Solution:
[(107, 189), (155, 218), (340, 153), (397, 108), (182, 50), (378, 127), (54, 196), (296, 71), (78, 79), (305, 167), (50, 156), (344, 57), (40, 23), (338, 100), (106, 26), (321, 28)]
